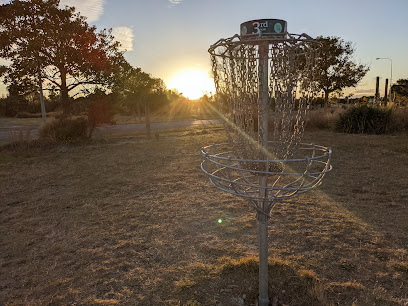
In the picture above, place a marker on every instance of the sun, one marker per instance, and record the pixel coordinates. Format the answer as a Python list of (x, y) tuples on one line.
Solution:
[(193, 83)]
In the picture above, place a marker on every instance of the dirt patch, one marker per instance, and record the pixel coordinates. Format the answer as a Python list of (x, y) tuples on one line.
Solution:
[(137, 224)]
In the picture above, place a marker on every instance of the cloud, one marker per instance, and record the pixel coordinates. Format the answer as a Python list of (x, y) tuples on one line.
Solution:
[(360, 91), (174, 2), (124, 35), (92, 9)]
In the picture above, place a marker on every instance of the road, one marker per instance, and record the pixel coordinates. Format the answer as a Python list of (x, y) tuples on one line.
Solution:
[(11, 133), (128, 128)]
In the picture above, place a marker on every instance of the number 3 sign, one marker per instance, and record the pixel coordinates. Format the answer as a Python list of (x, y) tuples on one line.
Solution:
[(263, 27)]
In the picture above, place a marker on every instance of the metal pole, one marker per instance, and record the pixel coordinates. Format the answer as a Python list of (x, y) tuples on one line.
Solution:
[(390, 80), (263, 263), (263, 180)]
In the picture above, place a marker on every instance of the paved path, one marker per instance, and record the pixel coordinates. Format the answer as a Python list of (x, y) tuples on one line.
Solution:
[(125, 128), (12, 132)]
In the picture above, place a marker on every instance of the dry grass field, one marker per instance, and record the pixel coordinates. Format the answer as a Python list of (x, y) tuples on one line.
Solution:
[(131, 222)]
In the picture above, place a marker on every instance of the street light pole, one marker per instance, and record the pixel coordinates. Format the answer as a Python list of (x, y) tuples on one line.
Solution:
[(387, 58)]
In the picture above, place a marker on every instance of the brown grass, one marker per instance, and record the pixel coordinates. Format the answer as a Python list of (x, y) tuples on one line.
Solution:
[(401, 117), (129, 222), (323, 119)]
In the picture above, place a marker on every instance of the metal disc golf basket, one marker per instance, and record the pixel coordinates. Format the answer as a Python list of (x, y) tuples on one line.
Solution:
[(263, 80)]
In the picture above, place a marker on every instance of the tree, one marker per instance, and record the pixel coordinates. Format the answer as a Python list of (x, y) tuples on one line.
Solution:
[(13, 103), (400, 91), (136, 88), (335, 69), (45, 42), (401, 87)]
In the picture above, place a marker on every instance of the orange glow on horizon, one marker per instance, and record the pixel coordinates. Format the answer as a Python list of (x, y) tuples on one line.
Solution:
[(192, 83)]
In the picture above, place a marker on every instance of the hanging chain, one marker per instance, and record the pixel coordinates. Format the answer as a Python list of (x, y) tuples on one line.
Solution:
[(238, 76)]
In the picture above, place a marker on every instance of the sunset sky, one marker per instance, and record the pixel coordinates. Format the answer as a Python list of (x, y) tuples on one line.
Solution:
[(169, 38)]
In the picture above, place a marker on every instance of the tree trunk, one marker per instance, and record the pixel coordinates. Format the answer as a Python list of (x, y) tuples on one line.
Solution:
[(66, 107), (326, 99)]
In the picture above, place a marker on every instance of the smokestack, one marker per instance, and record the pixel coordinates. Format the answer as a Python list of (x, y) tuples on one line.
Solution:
[(377, 91), (386, 92)]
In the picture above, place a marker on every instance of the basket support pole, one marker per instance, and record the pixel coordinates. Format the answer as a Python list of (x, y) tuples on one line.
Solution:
[(263, 263), (263, 180)]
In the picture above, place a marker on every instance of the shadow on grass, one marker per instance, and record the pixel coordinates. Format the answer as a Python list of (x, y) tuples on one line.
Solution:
[(235, 282)]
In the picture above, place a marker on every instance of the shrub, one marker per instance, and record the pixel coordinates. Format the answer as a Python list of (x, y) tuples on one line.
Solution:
[(28, 115), (366, 120), (319, 119), (66, 130), (12, 105), (100, 112)]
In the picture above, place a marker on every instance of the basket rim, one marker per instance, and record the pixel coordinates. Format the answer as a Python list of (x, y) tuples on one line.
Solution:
[(327, 151)]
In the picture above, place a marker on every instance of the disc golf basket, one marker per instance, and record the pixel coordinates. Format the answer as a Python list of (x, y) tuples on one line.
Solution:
[(263, 80)]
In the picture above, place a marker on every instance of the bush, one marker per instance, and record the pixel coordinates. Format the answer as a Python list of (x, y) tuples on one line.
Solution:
[(12, 105), (320, 119), (28, 115), (66, 130), (365, 119), (100, 112)]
